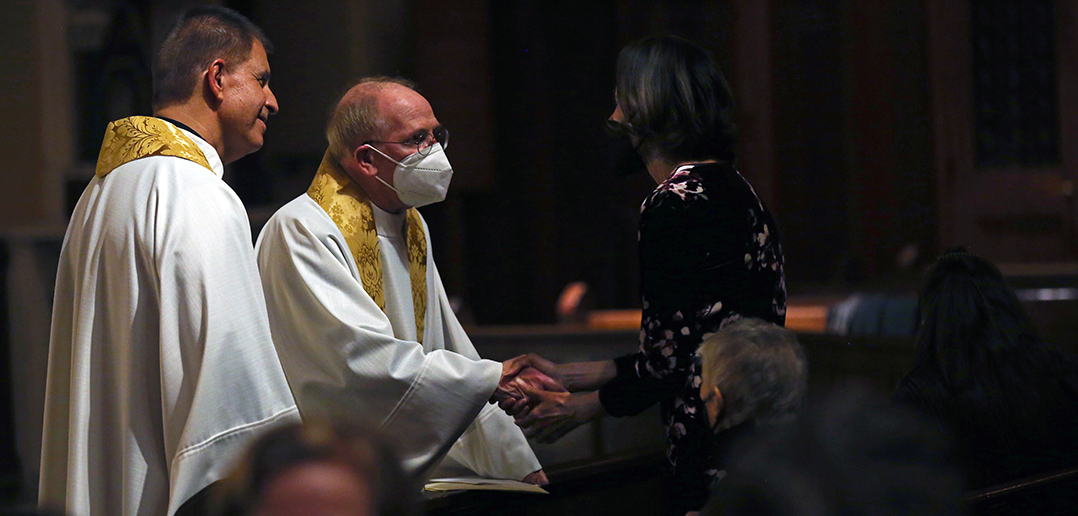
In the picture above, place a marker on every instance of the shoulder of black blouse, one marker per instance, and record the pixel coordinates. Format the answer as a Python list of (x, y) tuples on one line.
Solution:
[(700, 178), (712, 189)]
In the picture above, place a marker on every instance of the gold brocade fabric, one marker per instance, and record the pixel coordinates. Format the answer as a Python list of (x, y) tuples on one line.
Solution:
[(351, 211), (136, 137)]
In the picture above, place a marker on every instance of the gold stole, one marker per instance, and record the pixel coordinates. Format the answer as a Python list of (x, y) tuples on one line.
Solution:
[(136, 137), (351, 211)]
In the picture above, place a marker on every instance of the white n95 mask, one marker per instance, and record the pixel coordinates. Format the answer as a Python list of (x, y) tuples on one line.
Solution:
[(421, 180)]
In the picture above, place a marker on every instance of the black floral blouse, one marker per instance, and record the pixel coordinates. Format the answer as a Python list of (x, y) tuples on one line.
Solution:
[(709, 254)]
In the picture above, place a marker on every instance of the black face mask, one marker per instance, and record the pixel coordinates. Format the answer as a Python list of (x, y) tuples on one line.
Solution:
[(620, 156)]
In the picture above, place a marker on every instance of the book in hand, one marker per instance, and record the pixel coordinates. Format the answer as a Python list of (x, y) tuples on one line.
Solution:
[(481, 484)]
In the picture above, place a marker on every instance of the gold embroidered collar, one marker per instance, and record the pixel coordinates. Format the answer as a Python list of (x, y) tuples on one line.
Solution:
[(351, 211), (137, 137)]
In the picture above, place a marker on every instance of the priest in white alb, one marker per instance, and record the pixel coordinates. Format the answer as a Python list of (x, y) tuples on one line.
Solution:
[(161, 364), (358, 312)]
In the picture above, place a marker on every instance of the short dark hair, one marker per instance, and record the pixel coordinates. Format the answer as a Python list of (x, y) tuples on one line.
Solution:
[(676, 99), (199, 36)]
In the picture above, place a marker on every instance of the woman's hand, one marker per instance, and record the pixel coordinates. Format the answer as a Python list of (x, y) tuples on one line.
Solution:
[(574, 376), (547, 416)]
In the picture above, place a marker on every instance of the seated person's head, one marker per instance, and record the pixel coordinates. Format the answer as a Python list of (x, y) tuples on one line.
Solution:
[(751, 370), (971, 319), (319, 469)]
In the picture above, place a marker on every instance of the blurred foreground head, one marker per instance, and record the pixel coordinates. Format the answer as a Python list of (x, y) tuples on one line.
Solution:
[(318, 469)]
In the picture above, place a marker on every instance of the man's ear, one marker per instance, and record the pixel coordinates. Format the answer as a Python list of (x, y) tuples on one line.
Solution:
[(715, 405), (215, 74), (363, 157)]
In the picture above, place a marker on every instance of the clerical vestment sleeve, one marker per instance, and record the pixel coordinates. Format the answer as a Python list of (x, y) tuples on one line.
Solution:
[(221, 380), (338, 348), (161, 369), (493, 446)]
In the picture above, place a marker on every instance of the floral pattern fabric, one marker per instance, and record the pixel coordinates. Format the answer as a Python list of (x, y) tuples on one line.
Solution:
[(709, 254)]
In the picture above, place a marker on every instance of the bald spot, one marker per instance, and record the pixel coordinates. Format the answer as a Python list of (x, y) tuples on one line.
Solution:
[(394, 103)]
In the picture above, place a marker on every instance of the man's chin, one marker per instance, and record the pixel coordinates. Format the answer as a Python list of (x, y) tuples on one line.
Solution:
[(255, 143)]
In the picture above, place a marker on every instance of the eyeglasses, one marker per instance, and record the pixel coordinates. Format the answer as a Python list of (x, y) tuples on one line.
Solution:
[(423, 141)]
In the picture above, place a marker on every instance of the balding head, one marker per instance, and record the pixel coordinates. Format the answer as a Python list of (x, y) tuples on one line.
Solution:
[(358, 116)]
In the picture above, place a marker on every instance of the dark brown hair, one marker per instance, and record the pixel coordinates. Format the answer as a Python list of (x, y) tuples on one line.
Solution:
[(676, 100), (198, 37)]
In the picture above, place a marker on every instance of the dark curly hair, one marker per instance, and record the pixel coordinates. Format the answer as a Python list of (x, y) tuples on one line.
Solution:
[(676, 100)]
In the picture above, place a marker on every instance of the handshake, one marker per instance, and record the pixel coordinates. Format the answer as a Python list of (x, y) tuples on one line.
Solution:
[(534, 391)]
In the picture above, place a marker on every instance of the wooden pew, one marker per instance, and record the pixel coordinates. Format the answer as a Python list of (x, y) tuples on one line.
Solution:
[(616, 460)]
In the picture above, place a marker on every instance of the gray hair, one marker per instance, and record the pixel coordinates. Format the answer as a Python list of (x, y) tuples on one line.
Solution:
[(759, 368), (356, 118)]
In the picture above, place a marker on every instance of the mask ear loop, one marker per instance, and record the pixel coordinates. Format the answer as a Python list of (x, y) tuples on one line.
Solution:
[(384, 155)]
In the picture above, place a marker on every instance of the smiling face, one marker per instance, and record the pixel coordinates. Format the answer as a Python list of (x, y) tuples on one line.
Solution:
[(246, 105)]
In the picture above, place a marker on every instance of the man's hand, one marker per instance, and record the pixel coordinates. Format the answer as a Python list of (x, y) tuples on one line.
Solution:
[(510, 391), (543, 365), (574, 376), (536, 477)]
